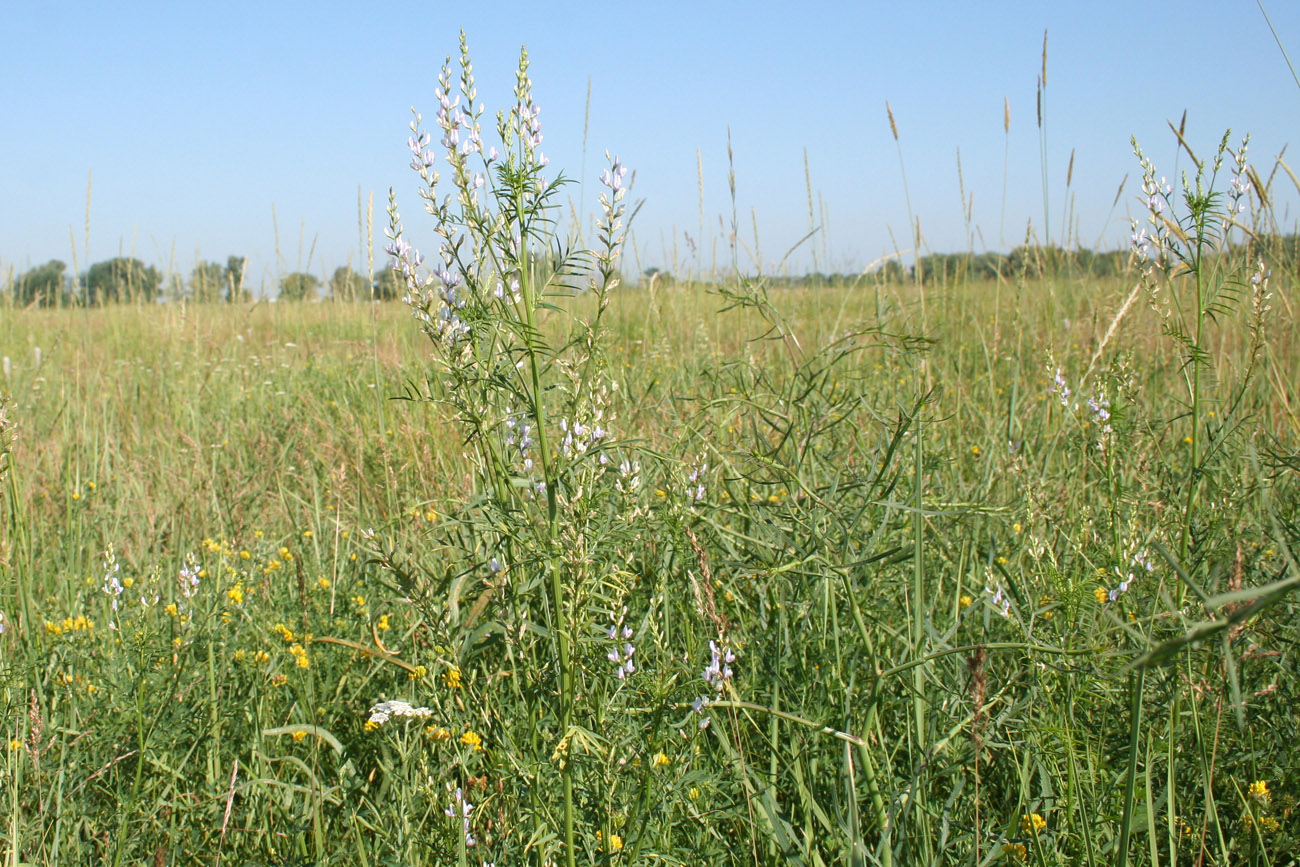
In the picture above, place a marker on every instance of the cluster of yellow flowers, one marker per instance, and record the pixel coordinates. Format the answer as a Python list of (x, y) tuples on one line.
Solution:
[(299, 654), (1033, 824), (80, 623)]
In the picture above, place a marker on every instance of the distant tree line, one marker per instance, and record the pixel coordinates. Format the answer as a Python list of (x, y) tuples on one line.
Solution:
[(127, 279), (1029, 262)]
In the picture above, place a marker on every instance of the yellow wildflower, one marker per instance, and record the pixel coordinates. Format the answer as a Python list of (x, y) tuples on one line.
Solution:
[(451, 677), (1259, 791), (236, 594), (472, 740), (1032, 824), (660, 761)]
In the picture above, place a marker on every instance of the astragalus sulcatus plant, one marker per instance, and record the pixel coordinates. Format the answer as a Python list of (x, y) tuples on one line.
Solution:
[(528, 600)]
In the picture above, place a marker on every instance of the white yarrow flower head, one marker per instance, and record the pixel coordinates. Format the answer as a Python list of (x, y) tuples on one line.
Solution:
[(386, 710)]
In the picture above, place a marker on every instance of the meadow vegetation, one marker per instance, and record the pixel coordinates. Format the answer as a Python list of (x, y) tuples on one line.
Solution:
[(942, 571)]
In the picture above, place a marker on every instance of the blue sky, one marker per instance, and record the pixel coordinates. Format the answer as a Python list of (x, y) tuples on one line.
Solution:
[(195, 121)]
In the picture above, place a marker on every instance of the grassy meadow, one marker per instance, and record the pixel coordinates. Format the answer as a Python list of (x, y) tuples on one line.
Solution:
[(870, 499), (558, 571)]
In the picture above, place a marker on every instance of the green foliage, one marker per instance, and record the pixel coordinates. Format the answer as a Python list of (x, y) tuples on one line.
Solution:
[(299, 286), (347, 285), (389, 286), (236, 291), (45, 285), (208, 282), (121, 279)]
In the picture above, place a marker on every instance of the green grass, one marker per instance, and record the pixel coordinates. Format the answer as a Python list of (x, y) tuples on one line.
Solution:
[(863, 496)]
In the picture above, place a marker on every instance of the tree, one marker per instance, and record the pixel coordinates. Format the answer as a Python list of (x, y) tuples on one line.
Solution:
[(389, 286), (298, 286), (235, 290), (208, 282), (348, 285), (122, 279), (43, 285)]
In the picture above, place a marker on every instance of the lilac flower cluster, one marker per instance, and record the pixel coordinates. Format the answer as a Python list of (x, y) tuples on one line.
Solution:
[(579, 438), (1137, 562), (1060, 389), (620, 633), (718, 671), (1157, 194), (629, 477), (695, 481), (519, 439), (613, 176), (1239, 186), (716, 674), (461, 809), (188, 579), (999, 598), (112, 587), (530, 128)]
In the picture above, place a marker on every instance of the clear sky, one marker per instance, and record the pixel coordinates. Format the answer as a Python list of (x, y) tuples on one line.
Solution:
[(196, 120)]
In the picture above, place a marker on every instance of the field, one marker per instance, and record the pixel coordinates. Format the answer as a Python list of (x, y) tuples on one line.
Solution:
[(935, 570)]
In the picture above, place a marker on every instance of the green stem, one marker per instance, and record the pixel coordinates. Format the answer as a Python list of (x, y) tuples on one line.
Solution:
[(1130, 777), (553, 535)]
